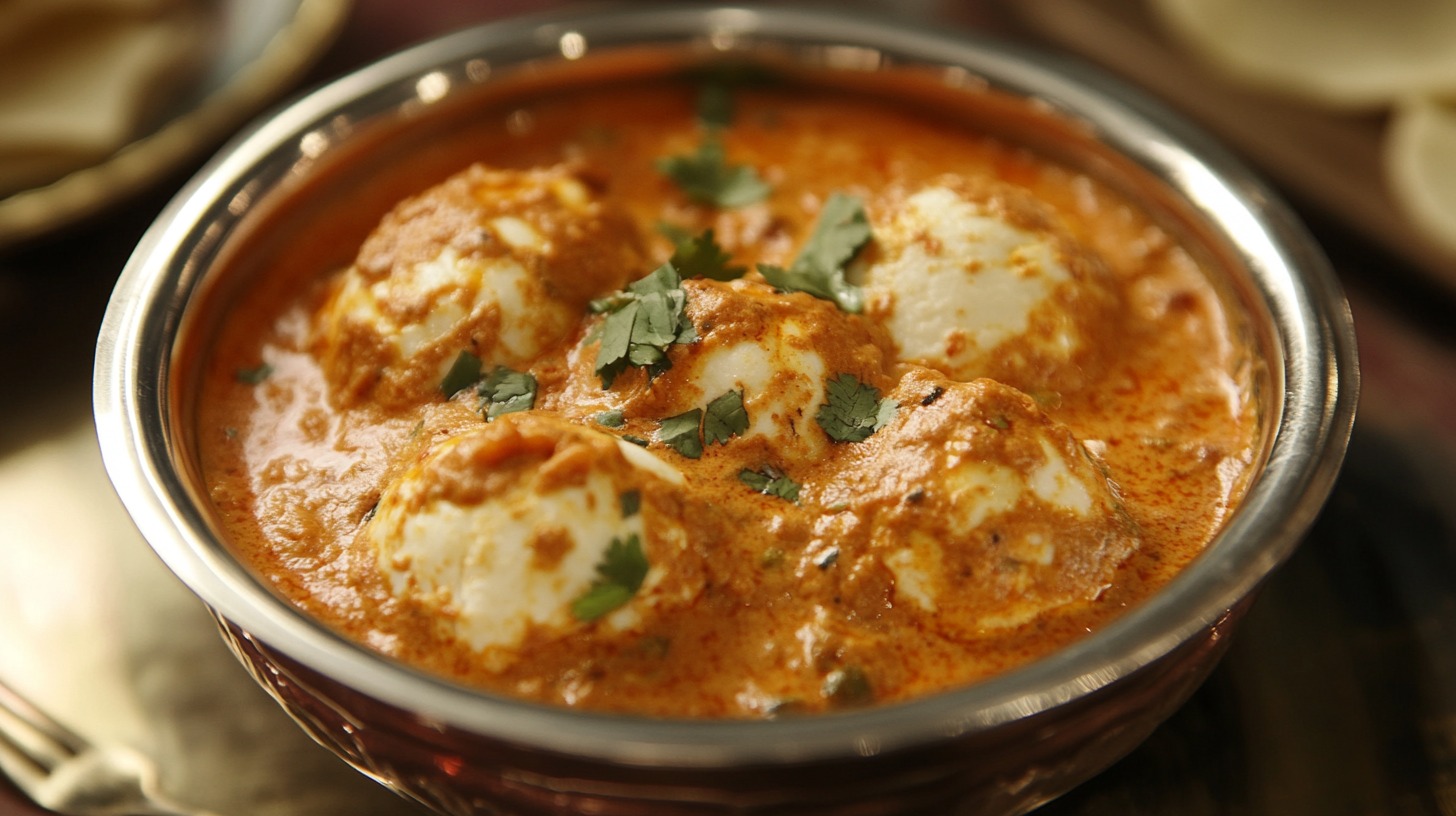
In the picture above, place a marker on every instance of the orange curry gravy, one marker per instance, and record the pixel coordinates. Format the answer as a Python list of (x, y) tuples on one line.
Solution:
[(759, 605)]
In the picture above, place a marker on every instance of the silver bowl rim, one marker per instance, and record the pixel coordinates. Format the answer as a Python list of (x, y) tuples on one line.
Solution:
[(1317, 379)]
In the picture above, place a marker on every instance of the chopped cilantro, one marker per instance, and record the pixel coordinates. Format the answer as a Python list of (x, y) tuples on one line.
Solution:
[(619, 576), (724, 418), (715, 105), (654, 646), (676, 233), (849, 686), (636, 440), (700, 256), (631, 503), (683, 433), (842, 229), (642, 321), (688, 432), (254, 376), (853, 410), (463, 373), (707, 178), (505, 391), (771, 481), (610, 419)]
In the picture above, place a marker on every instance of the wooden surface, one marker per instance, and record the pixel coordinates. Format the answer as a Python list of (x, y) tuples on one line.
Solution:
[(1328, 161)]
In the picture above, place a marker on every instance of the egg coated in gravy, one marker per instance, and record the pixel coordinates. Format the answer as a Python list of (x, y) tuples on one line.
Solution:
[(527, 441)]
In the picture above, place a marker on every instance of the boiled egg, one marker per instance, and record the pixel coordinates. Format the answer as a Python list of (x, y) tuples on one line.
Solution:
[(987, 512), (511, 530), (500, 263), (978, 280)]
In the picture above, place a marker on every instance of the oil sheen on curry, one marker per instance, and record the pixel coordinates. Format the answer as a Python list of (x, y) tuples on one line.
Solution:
[(733, 401)]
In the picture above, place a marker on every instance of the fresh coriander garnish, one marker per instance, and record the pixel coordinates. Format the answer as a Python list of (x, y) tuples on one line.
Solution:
[(636, 440), (700, 256), (642, 321), (631, 502), (610, 419), (842, 229), (715, 105), (771, 481), (254, 376), (849, 686), (853, 410), (688, 432), (683, 433), (707, 178), (676, 233), (772, 557), (724, 418), (619, 576), (463, 373), (505, 391)]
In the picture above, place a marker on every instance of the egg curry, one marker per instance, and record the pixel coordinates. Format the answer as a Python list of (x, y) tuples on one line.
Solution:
[(732, 399)]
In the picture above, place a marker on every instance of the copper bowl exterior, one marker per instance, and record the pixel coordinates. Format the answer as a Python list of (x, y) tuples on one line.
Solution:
[(1001, 746)]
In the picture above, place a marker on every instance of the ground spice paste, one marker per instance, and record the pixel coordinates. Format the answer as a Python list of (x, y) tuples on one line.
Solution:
[(721, 400)]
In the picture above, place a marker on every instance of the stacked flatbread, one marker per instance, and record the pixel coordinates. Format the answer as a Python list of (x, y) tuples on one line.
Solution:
[(79, 79), (1395, 55)]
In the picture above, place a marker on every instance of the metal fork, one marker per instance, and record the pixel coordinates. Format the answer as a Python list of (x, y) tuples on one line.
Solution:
[(62, 771)]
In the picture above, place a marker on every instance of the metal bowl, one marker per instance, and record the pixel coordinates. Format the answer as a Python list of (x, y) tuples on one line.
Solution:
[(1000, 746)]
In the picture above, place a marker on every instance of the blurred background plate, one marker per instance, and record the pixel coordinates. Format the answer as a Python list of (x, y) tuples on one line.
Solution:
[(261, 48)]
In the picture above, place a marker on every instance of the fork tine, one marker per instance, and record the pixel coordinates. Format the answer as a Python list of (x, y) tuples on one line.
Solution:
[(17, 763), (32, 734)]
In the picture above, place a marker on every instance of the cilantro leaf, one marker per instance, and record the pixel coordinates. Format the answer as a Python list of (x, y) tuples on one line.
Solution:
[(610, 419), (848, 687), (619, 575), (642, 321), (725, 418), (505, 391), (676, 233), (853, 410), (707, 178), (254, 376), (682, 433), (700, 256), (631, 502), (715, 105), (771, 481), (842, 229), (463, 373)]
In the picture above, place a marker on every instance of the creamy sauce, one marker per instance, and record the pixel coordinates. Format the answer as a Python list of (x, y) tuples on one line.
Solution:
[(1046, 464)]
